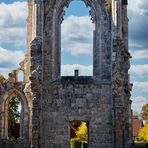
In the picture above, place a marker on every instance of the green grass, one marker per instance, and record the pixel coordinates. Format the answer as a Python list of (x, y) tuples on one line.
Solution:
[(75, 144), (141, 145)]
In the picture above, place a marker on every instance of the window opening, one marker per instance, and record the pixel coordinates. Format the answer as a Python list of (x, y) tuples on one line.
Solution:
[(20, 76), (78, 134), (14, 118), (77, 40)]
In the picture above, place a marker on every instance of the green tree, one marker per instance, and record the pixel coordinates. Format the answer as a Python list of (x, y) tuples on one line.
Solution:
[(13, 116)]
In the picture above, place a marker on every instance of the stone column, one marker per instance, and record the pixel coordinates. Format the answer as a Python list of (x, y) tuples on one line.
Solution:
[(36, 78)]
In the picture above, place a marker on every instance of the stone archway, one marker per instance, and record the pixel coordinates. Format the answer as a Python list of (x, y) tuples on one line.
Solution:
[(58, 100), (25, 115), (100, 18)]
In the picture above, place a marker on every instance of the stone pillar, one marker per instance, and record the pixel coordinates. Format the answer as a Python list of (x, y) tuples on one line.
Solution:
[(36, 79)]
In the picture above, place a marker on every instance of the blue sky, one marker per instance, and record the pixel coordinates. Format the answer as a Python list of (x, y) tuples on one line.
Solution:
[(77, 34)]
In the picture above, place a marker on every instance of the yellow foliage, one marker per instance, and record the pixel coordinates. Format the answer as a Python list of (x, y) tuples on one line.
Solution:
[(143, 134), (82, 133), (145, 111), (2, 80)]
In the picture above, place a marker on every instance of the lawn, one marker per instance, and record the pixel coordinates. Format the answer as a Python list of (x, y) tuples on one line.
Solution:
[(141, 145)]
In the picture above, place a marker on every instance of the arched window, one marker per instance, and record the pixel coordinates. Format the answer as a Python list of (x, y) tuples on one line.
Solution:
[(14, 118), (20, 76), (101, 40), (77, 40), (79, 134)]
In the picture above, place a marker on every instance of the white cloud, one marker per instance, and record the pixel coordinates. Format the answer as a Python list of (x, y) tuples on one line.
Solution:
[(141, 86), (13, 23), (134, 45), (10, 56), (9, 60), (138, 103), (68, 70), (139, 69), (139, 7), (5, 71), (138, 22), (140, 54), (77, 35)]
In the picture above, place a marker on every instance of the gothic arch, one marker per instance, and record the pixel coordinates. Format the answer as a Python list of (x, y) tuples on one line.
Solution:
[(20, 72), (24, 129), (56, 100), (100, 18)]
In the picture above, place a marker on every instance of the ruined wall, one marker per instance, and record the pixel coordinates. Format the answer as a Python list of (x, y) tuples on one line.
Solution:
[(13, 87), (103, 99), (121, 81), (71, 99)]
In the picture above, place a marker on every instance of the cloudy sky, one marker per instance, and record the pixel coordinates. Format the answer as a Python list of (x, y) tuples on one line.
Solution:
[(77, 31)]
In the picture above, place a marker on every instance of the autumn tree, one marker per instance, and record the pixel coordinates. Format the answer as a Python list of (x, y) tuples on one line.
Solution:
[(82, 133), (79, 134), (145, 111), (143, 134)]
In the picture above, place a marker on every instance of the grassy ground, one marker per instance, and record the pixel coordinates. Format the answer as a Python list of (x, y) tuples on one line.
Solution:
[(76, 144), (141, 145)]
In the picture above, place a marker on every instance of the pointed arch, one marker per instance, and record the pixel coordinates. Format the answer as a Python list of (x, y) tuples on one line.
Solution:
[(77, 40), (25, 115), (100, 18), (20, 75)]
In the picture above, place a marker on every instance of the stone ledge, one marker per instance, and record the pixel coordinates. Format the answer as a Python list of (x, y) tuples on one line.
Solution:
[(79, 80)]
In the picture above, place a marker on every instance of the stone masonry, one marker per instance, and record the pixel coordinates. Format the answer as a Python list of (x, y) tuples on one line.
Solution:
[(13, 87), (102, 100), (52, 101)]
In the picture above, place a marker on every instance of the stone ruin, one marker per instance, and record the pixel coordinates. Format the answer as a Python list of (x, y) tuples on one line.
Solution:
[(13, 87), (51, 101)]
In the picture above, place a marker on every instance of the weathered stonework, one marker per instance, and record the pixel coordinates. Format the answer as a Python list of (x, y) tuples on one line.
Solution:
[(103, 99), (13, 87), (20, 89)]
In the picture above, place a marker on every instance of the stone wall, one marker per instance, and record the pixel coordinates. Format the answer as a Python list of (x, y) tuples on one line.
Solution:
[(7, 144), (103, 99), (72, 99), (13, 87)]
